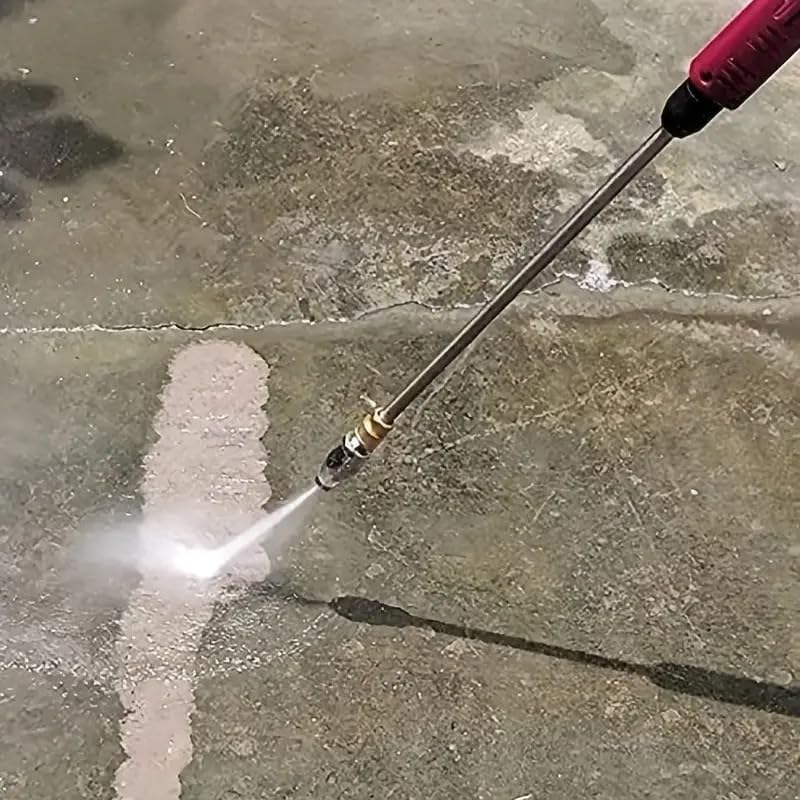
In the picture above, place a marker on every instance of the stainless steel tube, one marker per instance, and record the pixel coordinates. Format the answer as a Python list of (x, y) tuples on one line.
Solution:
[(562, 237)]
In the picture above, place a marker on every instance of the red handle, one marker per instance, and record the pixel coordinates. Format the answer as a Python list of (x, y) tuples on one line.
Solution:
[(762, 37)]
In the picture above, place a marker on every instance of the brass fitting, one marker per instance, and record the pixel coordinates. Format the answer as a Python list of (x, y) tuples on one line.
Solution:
[(372, 430), (356, 446)]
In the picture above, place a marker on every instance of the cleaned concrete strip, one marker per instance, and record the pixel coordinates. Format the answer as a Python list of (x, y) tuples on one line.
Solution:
[(203, 478)]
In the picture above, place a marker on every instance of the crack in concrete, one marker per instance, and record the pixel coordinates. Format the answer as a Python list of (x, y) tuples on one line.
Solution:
[(618, 291), (177, 327)]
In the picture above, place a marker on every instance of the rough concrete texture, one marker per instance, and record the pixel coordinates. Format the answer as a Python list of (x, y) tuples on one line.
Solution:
[(573, 571)]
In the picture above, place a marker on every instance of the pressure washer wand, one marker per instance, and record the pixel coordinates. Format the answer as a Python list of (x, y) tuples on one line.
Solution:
[(762, 37)]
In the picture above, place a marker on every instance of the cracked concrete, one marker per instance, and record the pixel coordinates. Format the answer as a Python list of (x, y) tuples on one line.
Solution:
[(571, 573), (563, 295), (273, 239)]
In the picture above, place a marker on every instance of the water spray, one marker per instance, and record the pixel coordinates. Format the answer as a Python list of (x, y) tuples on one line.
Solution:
[(754, 45), (272, 530)]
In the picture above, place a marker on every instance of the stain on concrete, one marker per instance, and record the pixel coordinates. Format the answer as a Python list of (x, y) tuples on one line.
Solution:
[(425, 220), (203, 476), (727, 252), (8, 7), (355, 197), (46, 148)]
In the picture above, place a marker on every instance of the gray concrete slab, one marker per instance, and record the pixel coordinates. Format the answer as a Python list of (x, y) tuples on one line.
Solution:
[(598, 553), (573, 571), (338, 186)]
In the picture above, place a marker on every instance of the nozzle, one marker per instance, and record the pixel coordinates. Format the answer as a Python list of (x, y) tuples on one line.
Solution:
[(357, 445)]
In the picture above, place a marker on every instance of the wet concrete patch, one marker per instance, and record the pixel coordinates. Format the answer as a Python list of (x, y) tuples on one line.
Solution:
[(76, 421), (59, 738), (617, 488)]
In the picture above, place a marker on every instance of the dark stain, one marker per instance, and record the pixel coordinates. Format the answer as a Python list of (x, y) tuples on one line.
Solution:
[(19, 98), (377, 171), (51, 149), (13, 199), (59, 149), (390, 161), (305, 308), (9, 7), (725, 251), (680, 678)]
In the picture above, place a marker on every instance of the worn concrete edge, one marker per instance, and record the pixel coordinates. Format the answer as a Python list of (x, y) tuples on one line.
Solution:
[(776, 314)]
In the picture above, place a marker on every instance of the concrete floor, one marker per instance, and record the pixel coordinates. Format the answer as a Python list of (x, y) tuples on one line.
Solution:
[(573, 573)]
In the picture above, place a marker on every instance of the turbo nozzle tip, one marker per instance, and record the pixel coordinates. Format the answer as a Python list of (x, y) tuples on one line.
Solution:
[(348, 457), (343, 461)]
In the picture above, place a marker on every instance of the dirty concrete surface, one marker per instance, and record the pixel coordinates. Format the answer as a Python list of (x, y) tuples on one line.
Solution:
[(573, 572)]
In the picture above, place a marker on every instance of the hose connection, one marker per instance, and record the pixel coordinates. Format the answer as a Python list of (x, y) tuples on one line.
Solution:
[(347, 458)]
